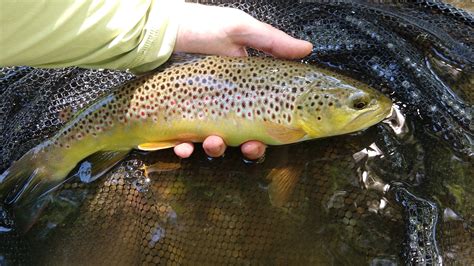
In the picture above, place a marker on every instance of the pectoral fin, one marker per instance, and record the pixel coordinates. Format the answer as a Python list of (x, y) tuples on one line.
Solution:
[(284, 134), (283, 182), (154, 146)]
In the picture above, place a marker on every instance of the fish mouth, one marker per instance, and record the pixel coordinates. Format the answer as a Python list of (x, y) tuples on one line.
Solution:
[(378, 114), (371, 117)]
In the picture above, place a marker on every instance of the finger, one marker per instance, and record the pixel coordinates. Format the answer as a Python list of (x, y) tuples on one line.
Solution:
[(184, 150), (268, 39), (214, 146), (238, 51), (253, 150)]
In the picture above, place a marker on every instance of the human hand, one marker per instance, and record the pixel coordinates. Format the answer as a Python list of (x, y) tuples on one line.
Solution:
[(228, 31)]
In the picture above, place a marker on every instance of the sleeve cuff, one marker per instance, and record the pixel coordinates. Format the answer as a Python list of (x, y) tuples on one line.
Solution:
[(160, 34)]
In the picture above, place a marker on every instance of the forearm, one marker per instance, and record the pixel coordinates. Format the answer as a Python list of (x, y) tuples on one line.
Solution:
[(136, 35)]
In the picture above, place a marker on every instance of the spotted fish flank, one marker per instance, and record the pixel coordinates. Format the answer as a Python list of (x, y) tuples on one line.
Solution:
[(239, 99)]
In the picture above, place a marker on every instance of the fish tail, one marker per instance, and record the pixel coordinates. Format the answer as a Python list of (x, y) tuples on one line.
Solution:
[(20, 172), (25, 187)]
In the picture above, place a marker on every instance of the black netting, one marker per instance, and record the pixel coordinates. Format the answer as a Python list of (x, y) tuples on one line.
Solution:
[(215, 212)]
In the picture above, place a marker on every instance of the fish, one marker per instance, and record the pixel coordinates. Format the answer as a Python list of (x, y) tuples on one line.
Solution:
[(273, 101)]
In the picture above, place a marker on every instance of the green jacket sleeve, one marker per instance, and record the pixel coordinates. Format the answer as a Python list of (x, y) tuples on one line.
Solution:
[(138, 35)]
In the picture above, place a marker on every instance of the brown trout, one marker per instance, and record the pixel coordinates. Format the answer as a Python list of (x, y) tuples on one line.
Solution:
[(239, 99)]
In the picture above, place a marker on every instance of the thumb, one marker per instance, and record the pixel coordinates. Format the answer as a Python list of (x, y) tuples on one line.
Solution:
[(261, 36)]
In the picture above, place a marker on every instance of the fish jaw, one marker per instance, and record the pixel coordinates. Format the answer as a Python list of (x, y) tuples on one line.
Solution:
[(372, 116), (345, 119)]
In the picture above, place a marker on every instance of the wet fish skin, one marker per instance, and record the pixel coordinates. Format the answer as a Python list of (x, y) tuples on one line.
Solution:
[(240, 99)]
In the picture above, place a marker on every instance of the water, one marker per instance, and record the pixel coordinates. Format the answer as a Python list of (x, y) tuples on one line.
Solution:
[(400, 192), (343, 209)]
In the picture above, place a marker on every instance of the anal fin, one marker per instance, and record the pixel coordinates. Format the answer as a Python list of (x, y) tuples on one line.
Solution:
[(98, 164)]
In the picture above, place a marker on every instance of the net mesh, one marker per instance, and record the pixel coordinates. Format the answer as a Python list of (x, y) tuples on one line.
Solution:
[(218, 211)]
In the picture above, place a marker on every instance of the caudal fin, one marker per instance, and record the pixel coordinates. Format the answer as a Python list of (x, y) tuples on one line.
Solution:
[(24, 187), (27, 185), (24, 179)]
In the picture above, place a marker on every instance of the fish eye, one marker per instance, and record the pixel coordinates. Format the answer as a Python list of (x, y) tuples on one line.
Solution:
[(360, 101), (360, 105)]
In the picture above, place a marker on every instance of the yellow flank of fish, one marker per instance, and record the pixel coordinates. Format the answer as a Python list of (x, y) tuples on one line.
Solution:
[(240, 99)]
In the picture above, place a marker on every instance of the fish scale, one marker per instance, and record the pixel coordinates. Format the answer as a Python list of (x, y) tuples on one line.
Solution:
[(209, 90), (239, 99)]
